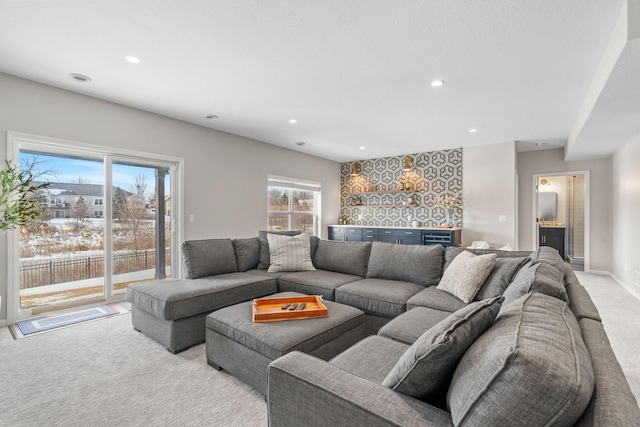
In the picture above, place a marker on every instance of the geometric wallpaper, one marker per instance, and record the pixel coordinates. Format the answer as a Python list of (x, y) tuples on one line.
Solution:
[(374, 197)]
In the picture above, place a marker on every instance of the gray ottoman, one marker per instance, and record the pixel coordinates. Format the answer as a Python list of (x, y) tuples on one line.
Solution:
[(245, 349)]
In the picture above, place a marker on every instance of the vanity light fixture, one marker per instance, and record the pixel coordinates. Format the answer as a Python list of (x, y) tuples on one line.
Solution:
[(407, 164), (355, 169)]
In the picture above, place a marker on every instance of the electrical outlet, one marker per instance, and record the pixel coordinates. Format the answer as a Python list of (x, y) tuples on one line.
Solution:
[(192, 218), (502, 218)]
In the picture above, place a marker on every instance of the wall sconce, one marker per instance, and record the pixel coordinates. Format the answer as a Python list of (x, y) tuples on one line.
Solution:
[(407, 164), (355, 169)]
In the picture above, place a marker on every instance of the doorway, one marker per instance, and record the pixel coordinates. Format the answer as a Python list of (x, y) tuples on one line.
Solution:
[(107, 220), (561, 212)]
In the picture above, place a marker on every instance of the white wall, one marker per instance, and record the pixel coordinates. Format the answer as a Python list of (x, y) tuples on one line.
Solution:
[(225, 175), (488, 183), (625, 206), (551, 161)]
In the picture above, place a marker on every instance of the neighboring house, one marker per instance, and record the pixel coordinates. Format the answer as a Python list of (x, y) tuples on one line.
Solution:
[(62, 196)]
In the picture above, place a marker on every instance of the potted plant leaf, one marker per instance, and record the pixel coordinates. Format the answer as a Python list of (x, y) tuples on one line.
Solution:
[(18, 196)]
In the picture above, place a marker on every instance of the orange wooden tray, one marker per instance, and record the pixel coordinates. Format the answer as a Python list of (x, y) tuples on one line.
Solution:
[(270, 309)]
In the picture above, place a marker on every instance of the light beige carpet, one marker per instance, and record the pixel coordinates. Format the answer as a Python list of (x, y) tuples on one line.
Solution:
[(620, 313), (104, 373)]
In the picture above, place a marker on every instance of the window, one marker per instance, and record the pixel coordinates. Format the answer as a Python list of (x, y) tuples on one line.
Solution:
[(293, 204), (97, 233)]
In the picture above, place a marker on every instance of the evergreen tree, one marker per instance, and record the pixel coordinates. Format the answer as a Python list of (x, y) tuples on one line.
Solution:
[(80, 212), (118, 204)]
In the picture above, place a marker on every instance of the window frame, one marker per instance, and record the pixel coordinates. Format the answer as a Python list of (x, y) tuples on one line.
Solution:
[(19, 140), (294, 184)]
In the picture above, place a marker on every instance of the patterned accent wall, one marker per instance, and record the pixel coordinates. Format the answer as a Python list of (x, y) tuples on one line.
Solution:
[(434, 173)]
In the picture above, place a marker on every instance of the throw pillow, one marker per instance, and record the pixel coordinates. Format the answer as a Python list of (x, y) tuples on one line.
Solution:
[(264, 245), (429, 363), (531, 368), (290, 253), (502, 274), (466, 273)]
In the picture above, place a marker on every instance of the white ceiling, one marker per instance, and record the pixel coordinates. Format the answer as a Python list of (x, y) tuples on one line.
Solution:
[(353, 73)]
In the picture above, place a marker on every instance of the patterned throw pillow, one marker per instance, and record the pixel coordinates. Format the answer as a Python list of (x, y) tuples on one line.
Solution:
[(466, 274), (290, 253)]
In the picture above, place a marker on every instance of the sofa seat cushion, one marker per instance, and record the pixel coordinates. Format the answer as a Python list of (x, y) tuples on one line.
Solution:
[(318, 282), (180, 298), (386, 298), (408, 327), (265, 273), (410, 263), (435, 298), (531, 368), (343, 257), (371, 359), (536, 277), (274, 339), (202, 258), (426, 368)]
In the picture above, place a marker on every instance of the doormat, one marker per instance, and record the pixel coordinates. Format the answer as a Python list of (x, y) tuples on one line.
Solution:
[(40, 324)]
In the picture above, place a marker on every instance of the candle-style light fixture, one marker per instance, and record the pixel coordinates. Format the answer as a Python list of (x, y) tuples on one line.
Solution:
[(408, 164)]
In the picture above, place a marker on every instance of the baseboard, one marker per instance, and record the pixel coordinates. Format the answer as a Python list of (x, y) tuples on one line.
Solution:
[(632, 289)]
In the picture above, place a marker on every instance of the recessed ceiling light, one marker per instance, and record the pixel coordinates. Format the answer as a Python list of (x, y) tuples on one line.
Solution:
[(210, 117), (363, 147), (293, 121), (300, 143), (81, 78), (437, 83), (132, 59), (473, 130)]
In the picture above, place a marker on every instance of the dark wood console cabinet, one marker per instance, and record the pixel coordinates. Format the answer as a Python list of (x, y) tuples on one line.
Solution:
[(404, 236)]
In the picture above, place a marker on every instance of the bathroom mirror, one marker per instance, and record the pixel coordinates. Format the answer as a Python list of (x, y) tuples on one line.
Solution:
[(547, 205)]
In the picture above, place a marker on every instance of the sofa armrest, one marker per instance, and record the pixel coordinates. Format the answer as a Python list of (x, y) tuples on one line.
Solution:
[(304, 390)]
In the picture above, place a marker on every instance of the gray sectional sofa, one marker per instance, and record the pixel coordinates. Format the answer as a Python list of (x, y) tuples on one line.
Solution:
[(528, 349)]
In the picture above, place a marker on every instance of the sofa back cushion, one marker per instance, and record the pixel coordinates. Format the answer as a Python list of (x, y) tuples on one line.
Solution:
[(265, 255), (531, 368), (428, 365), (247, 253), (411, 263), (550, 256), (451, 252), (536, 277), (343, 257), (202, 258)]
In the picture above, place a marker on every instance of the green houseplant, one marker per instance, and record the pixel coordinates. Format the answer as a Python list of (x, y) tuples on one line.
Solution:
[(18, 196)]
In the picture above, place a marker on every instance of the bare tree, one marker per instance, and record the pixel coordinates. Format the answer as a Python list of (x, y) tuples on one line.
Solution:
[(134, 211)]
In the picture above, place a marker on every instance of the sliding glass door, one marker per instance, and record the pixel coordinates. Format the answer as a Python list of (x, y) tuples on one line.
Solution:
[(105, 223)]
